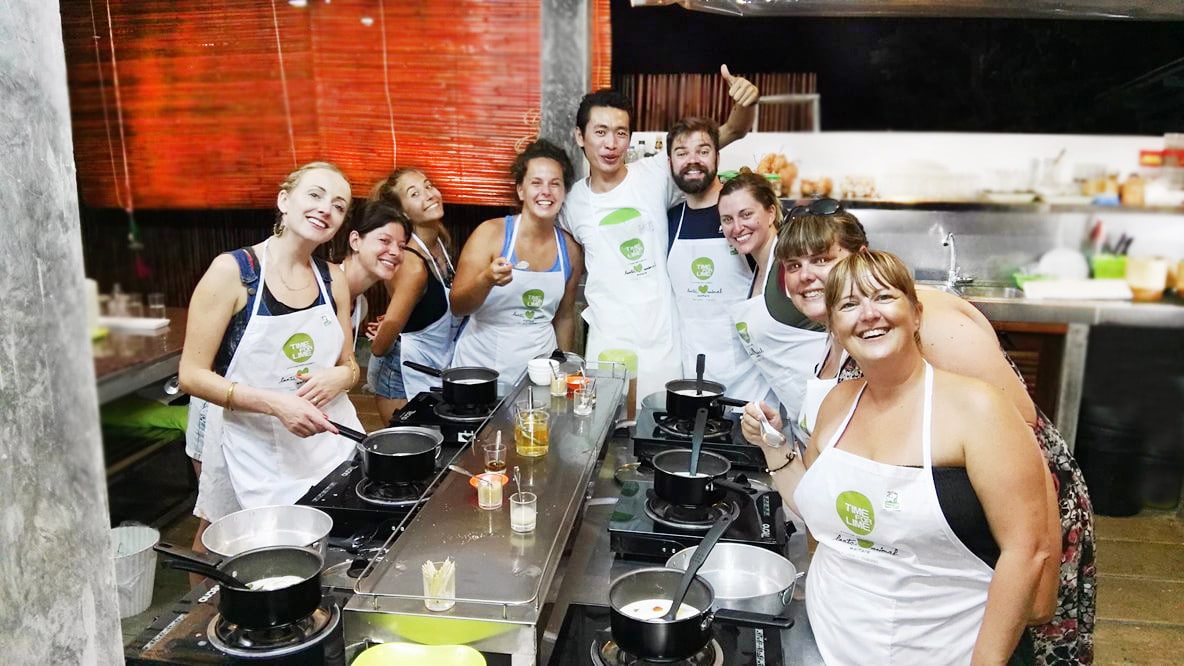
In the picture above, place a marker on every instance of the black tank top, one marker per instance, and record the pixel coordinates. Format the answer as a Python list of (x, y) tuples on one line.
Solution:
[(434, 302)]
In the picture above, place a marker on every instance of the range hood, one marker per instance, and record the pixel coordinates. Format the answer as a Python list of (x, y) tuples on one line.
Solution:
[(1158, 10)]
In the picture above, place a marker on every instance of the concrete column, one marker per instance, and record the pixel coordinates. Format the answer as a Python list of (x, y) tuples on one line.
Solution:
[(566, 72), (57, 588)]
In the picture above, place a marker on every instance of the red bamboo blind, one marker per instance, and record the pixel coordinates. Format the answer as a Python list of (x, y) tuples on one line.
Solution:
[(219, 100), (661, 99)]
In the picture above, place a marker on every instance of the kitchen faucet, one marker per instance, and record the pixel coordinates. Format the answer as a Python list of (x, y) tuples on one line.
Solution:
[(954, 277)]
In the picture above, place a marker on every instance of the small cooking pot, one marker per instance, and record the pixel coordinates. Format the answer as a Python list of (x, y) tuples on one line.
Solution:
[(465, 386), (398, 454), (279, 525), (684, 397), (265, 608), (744, 577), (670, 640), (673, 482)]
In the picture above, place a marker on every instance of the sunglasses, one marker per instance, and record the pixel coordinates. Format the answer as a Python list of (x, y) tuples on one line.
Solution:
[(816, 207)]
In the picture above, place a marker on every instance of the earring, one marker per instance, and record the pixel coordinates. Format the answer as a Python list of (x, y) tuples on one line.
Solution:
[(278, 228)]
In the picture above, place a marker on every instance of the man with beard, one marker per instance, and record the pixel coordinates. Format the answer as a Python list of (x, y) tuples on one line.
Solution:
[(707, 274), (617, 214)]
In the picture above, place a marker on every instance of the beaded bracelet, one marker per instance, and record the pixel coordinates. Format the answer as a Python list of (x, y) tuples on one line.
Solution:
[(789, 458)]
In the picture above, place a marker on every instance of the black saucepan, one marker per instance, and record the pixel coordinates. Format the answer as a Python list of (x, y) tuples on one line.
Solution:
[(398, 454), (670, 640), (673, 483), (465, 386), (684, 397), (264, 608)]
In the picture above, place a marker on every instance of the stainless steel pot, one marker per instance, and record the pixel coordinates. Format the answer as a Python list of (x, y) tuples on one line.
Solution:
[(744, 577), (264, 526)]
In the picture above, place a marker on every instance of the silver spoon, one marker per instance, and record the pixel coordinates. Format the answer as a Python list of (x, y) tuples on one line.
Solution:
[(518, 480), (458, 468), (769, 434)]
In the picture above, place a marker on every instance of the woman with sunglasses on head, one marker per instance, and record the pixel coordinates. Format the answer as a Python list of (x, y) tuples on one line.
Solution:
[(934, 516), (955, 337), (418, 325), (784, 354)]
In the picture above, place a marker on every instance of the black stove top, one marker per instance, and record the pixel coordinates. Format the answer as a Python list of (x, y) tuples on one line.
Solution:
[(193, 633), (643, 526), (428, 409), (656, 431), (585, 638)]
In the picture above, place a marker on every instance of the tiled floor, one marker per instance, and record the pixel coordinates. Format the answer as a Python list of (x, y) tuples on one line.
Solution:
[(1140, 580)]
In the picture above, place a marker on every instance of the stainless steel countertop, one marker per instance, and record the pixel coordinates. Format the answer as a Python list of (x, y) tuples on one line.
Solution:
[(501, 575), (1167, 313), (593, 565)]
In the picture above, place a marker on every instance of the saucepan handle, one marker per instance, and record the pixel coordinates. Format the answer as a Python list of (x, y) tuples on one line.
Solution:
[(359, 437), (746, 619), (731, 402), (186, 555), (427, 369)]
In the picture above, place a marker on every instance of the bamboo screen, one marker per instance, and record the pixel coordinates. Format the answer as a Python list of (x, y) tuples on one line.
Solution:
[(213, 102), (661, 99)]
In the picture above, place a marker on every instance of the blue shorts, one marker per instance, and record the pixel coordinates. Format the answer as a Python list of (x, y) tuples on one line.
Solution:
[(384, 375)]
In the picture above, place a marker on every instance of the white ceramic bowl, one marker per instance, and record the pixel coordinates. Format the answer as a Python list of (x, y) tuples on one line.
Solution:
[(540, 370)]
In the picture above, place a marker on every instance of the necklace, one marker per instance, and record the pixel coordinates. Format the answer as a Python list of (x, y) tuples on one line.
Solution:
[(285, 282)]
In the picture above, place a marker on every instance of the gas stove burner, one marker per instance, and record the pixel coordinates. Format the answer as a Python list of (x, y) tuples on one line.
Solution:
[(607, 653), (693, 518), (716, 430), (391, 494), (278, 641), (463, 414)]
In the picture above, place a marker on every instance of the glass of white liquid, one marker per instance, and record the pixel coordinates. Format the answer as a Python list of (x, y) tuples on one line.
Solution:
[(489, 491), (523, 511), (585, 400)]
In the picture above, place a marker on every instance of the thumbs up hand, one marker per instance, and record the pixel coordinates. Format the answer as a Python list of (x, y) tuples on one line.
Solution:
[(741, 90)]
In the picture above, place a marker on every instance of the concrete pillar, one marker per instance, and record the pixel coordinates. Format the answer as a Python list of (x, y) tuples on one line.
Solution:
[(566, 72), (57, 588)]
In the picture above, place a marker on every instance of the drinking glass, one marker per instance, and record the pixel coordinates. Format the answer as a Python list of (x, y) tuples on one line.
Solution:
[(440, 592), (495, 457), (585, 398), (135, 305), (489, 491), (156, 305), (559, 385), (523, 511), (531, 436)]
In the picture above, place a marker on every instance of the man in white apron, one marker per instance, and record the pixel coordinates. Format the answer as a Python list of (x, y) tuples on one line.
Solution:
[(708, 274), (618, 213)]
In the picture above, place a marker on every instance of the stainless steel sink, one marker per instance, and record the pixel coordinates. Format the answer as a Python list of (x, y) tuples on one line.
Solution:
[(940, 286), (987, 291)]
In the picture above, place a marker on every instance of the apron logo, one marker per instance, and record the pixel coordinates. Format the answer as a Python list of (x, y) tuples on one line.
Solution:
[(620, 216), (533, 300), (703, 268), (299, 348), (892, 500), (856, 512), (742, 330), (632, 249)]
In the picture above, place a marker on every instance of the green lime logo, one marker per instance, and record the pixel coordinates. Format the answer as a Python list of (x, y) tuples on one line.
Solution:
[(533, 298), (299, 348), (620, 216), (632, 249), (702, 268), (742, 329), (856, 512)]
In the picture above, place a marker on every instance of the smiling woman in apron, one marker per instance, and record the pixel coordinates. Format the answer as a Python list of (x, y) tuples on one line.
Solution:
[(418, 325), (271, 351), (956, 338), (926, 492), (517, 276), (783, 354)]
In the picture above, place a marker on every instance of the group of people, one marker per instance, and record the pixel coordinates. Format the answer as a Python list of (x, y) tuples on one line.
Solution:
[(952, 524)]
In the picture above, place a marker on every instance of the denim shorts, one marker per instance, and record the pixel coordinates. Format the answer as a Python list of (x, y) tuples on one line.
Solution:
[(384, 375)]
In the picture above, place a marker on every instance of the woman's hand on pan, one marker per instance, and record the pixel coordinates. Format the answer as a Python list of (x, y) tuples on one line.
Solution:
[(750, 421), (299, 416), (500, 272)]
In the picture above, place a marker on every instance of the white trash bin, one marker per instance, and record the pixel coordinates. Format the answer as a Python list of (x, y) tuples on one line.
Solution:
[(135, 567)]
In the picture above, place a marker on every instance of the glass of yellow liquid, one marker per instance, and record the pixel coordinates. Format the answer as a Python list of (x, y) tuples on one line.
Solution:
[(531, 435)]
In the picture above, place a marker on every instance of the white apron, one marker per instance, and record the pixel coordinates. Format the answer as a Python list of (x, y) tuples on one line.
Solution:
[(785, 355), (817, 390), (266, 464), (514, 324), (432, 345), (890, 583), (639, 317), (708, 276)]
